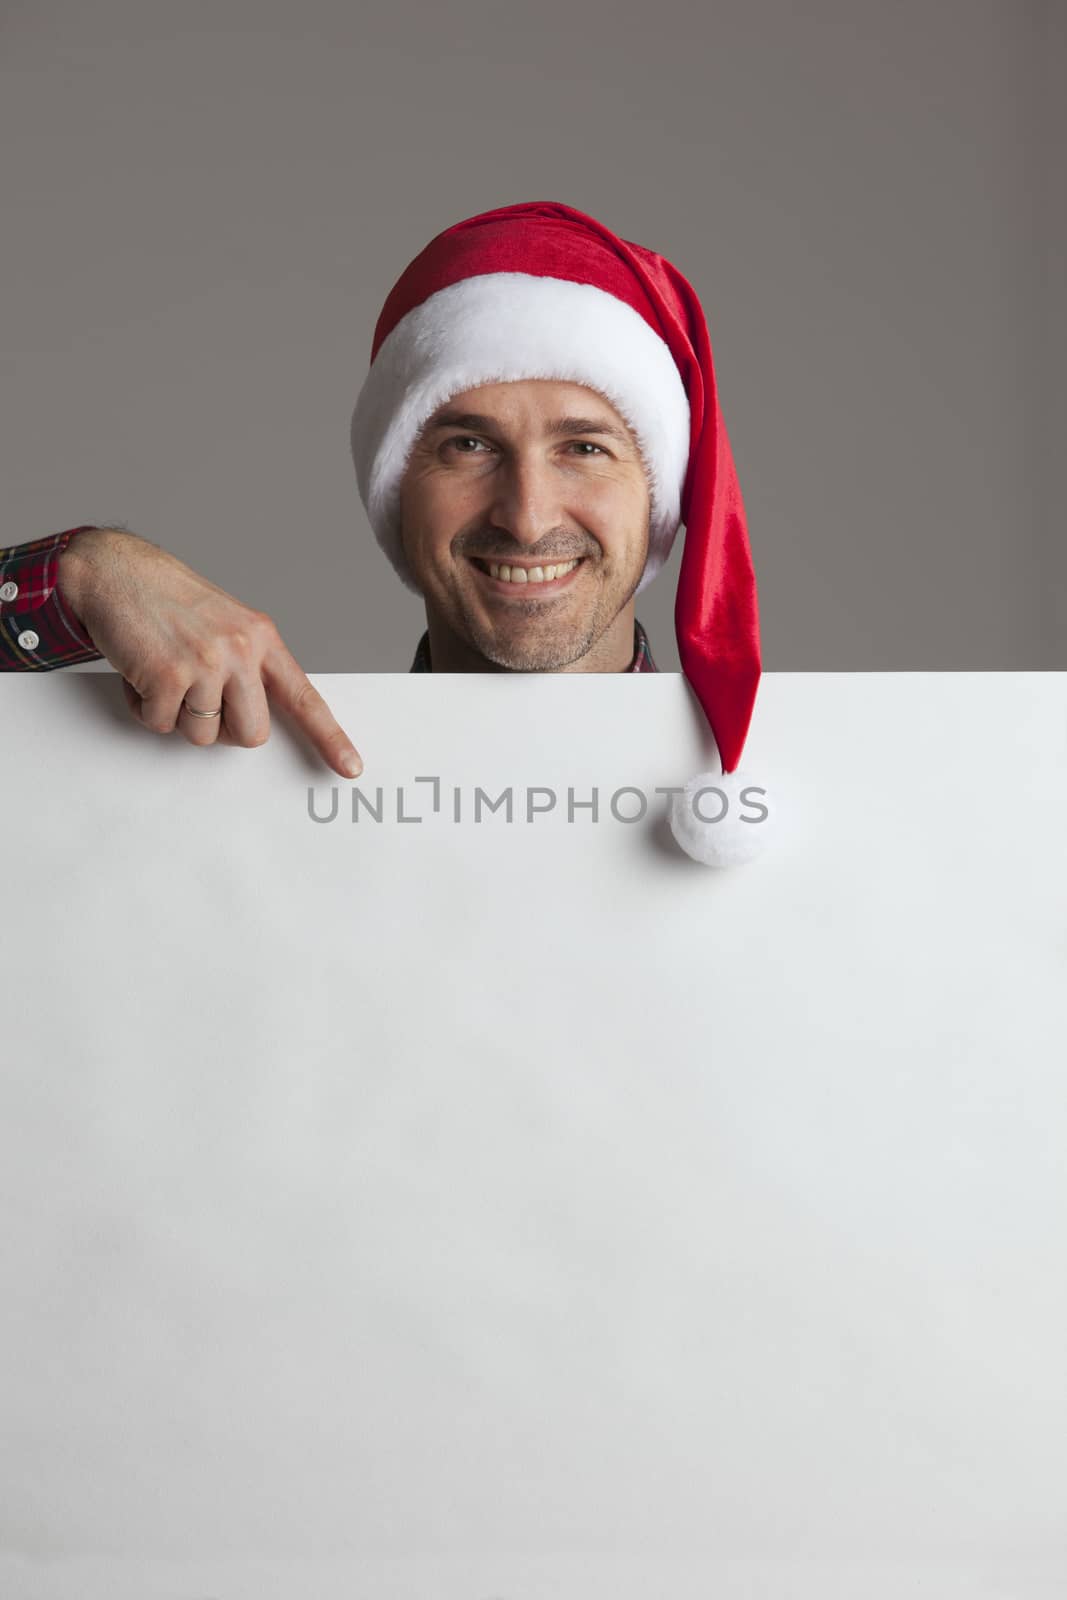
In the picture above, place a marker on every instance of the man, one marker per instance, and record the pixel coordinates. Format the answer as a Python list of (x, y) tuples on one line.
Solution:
[(541, 395)]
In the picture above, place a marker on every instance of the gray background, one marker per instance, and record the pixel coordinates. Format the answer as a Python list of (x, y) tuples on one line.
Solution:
[(205, 206)]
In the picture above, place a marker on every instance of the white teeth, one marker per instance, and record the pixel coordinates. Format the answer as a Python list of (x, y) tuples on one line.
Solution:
[(533, 575)]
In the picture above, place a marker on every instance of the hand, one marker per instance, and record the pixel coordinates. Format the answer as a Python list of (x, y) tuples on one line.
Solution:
[(172, 635)]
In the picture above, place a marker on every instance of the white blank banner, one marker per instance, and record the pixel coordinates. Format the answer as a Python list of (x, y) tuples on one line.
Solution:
[(456, 1210)]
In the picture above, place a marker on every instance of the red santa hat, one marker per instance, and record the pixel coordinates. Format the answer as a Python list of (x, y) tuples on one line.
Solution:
[(540, 290)]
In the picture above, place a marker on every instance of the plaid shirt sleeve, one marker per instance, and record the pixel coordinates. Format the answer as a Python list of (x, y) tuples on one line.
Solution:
[(38, 630)]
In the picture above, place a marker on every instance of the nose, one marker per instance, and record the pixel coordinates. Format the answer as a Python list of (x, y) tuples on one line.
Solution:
[(527, 500)]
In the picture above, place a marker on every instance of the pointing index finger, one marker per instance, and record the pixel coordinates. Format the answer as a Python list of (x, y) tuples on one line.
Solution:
[(288, 684)]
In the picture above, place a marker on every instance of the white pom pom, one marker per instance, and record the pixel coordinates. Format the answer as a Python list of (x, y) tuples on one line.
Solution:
[(721, 819)]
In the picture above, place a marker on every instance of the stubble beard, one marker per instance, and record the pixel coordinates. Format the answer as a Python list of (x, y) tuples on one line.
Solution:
[(524, 655)]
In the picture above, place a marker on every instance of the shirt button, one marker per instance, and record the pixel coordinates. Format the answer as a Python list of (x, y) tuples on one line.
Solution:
[(9, 591), (28, 640)]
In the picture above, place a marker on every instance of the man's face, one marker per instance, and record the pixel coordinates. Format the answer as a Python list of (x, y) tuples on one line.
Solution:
[(528, 475)]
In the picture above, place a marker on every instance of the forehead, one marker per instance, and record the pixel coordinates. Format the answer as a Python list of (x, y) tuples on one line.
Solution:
[(532, 402)]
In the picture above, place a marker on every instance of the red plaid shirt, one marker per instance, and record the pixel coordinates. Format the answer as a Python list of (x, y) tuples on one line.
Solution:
[(39, 632)]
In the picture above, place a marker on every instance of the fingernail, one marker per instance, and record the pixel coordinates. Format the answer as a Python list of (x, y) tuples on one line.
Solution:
[(351, 763)]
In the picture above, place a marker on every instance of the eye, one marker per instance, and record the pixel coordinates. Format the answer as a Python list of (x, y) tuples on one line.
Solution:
[(589, 445), (465, 439)]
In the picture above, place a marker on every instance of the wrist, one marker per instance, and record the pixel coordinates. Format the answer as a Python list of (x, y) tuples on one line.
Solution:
[(76, 564)]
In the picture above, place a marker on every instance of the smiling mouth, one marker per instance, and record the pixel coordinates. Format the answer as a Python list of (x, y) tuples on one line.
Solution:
[(536, 582)]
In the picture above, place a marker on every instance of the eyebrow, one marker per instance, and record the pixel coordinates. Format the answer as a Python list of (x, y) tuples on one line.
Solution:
[(562, 426)]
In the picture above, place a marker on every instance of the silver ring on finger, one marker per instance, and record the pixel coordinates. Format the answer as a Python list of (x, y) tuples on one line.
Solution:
[(194, 713)]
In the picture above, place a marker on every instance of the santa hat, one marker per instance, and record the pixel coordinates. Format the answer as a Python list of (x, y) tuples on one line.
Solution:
[(540, 290)]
